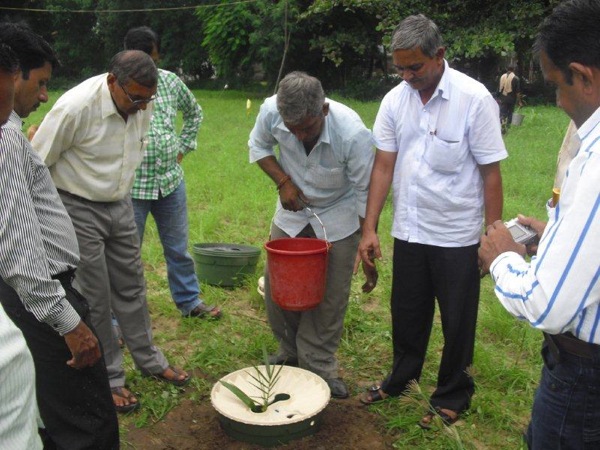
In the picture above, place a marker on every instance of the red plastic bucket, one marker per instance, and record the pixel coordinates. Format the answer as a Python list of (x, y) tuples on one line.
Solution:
[(297, 272)]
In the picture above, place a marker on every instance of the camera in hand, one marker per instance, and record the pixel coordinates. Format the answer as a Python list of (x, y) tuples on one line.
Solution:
[(522, 234)]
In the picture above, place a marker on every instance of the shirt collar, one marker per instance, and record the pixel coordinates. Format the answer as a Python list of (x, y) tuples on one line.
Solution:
[(15, 119), (325, 137), (444, 85), (108, 106), (589, 125)]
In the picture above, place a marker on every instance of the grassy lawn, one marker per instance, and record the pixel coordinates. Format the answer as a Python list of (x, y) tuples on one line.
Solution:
[(232, 201)]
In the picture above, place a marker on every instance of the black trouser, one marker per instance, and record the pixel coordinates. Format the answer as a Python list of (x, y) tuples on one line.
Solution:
[(507, 107), (422, 273), (75, 405)]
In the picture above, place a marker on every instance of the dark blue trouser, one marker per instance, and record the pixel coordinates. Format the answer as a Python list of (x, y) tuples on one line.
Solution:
[(566, 407)]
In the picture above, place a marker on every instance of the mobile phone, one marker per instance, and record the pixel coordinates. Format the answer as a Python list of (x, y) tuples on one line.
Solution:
[(522, 234)]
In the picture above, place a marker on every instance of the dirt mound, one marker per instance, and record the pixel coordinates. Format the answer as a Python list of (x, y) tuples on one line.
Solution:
[(195, 426)]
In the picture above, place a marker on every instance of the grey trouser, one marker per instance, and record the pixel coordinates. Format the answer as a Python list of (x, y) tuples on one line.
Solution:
[(110, 276), (313, 336)]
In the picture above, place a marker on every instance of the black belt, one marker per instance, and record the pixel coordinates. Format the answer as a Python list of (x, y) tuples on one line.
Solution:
[(65, 277), (568, 343)]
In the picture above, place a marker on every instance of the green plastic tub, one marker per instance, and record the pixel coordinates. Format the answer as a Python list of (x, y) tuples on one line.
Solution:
[(225, 265)]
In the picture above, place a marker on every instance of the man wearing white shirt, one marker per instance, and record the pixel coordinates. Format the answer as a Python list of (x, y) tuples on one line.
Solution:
[(558, 292), (438, 145), (92, 141)]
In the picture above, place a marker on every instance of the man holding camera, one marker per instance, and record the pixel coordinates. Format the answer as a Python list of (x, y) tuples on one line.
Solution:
[(558, 291)]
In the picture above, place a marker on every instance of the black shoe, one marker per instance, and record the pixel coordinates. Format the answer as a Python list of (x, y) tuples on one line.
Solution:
[(338, 388), (280, 360)]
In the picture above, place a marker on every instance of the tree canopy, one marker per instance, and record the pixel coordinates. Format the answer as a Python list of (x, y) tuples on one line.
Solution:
[(340, 41)]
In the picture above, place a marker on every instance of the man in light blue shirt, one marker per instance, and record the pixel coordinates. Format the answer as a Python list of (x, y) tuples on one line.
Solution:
[(325, 160)]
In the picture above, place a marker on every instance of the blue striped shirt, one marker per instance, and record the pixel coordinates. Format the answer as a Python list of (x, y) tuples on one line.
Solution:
[(559, 291), (37, 238)]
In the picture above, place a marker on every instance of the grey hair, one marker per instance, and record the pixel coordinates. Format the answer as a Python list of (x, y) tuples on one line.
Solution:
[(299, 96), (417, 31), (134, 65)]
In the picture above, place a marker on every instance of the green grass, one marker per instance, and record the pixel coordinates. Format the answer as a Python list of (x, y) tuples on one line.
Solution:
[(232, 201)]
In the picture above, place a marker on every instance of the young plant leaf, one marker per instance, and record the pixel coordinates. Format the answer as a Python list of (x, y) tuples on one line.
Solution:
[(241, 395), (266, 359)]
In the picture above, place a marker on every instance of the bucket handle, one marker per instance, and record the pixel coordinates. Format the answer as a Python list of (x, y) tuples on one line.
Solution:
[(317, 217)]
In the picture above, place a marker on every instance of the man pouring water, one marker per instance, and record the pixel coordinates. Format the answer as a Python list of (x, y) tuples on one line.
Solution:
[(324, 163)]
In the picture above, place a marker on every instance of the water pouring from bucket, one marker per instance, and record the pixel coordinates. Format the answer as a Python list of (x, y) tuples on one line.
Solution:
[(298, 270)]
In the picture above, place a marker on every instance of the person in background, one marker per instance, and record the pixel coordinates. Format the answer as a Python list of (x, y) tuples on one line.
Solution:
[(18, 412), (38, 257), (558, 291), (439, 147), (568, 150), (92, 140), (159, 187), (31, 132), (509, 93), (325, 159)]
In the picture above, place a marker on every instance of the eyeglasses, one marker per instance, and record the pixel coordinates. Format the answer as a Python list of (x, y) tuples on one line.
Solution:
[(139, 101)]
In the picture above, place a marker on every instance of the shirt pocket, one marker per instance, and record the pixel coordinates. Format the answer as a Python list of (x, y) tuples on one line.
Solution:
[(326, 178), (445, 156)]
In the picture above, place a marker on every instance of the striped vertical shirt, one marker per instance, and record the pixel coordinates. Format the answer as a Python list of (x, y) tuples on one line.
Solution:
[(559, 291), (18, 409), (159, 171), (37, 238)]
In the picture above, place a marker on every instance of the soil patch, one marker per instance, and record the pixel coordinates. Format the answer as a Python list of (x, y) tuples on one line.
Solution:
[(195, 426)]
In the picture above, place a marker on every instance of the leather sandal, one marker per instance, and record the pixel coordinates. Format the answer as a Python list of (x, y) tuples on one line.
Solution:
[(174, 381), (119, 392), (374, 395)]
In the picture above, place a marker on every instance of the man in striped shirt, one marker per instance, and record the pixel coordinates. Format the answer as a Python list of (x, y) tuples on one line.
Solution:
[(18, 412), (38, 257), (558, 292)]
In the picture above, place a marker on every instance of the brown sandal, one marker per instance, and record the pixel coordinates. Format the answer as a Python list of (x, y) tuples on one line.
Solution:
[(447, 415)]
